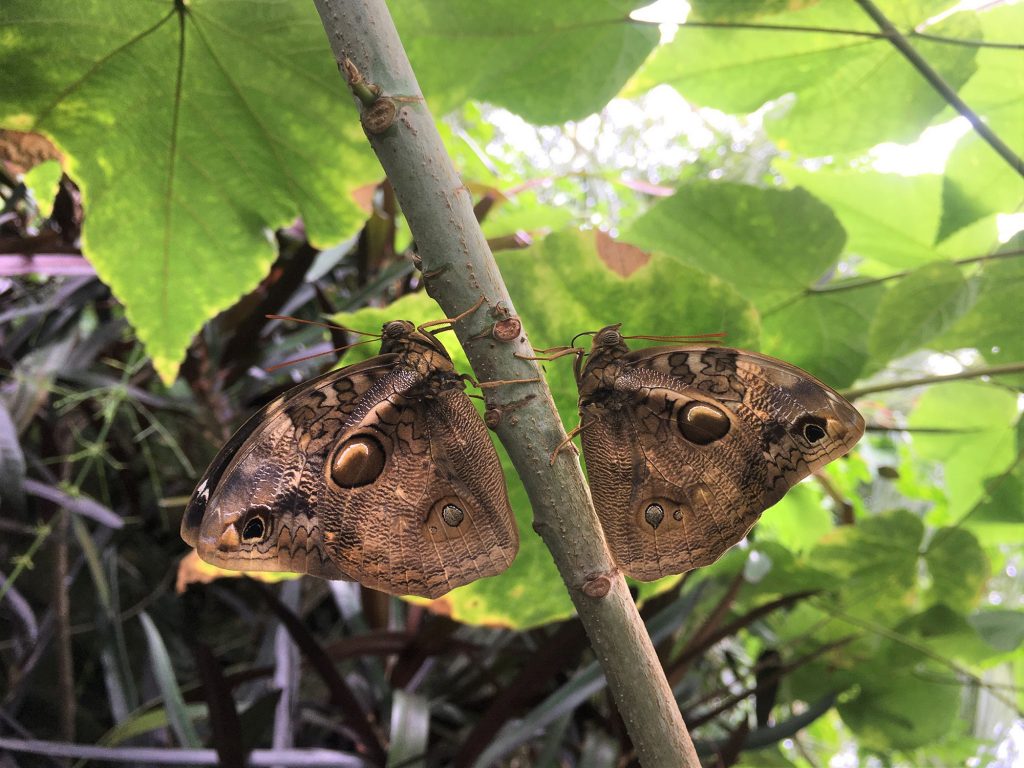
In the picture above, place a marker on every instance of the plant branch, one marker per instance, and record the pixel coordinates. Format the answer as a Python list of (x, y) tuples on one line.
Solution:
[(839, 31), (940, 85), (458, 270), (972, 373), (852, 285)]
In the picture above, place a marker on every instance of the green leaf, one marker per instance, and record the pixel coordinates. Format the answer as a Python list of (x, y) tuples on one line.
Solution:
[(177, 714), (982, 446), (548, 62), (770, 244), (836, 79), (917, 309), (146, 721), (993, 325), (875, 561), (999, 518), (948, 634), (1003, 630), (958, 568), (561, 287), (977, 180), (823, 332), (231, 120), (43, 180), (798, 521), (890, 220), (903, 711)]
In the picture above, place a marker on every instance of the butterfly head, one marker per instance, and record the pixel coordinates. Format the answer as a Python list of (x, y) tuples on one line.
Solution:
[(401, 336), (609, 339)]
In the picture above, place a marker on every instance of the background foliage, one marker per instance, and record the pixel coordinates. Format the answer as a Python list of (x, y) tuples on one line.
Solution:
[(214, 172)]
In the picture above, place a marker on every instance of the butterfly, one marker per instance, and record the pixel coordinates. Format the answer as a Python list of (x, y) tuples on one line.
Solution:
[(686, 446), (382, 472)]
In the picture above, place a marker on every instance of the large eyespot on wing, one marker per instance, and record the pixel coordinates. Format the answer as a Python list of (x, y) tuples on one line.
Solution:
[(357, 461), (436, 516), (271, 464)]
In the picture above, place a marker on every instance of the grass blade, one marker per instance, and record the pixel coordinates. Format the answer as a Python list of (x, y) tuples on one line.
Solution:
[(177, 714)]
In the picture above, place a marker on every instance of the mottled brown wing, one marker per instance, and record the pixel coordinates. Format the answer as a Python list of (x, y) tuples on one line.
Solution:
[(259, 481), (694, 443), (437, 515)]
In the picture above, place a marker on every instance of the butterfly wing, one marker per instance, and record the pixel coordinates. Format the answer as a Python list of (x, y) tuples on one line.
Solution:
[(260, 479), (437, 516), (691, 444), (358, 476)]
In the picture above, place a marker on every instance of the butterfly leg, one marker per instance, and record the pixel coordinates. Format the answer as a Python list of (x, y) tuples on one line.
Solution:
[(451, 321), (567, 442)]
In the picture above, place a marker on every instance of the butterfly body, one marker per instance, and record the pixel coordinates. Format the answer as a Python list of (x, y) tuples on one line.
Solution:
[(381, 472), (686, 446)]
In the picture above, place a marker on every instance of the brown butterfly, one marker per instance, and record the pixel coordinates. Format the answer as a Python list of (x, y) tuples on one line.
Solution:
[(382, 473), (687, 446)]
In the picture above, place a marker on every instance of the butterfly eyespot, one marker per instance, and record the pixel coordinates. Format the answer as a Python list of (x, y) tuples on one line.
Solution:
[(702, 423), (677, 515), (254, 529), (452, 515), (357, 462), (814, 432), (654, 514)]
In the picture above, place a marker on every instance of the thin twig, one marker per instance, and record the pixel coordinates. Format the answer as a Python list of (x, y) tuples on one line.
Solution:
[(838, 31), (849, 286), (972, 373), (940, 85)]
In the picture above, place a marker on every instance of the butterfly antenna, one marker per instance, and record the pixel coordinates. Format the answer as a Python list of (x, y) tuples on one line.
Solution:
[(295, 360), (329, 326), (696, 338), (585, 333)]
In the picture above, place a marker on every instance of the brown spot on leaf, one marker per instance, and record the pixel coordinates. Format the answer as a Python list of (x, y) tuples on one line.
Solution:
[(622, 258)]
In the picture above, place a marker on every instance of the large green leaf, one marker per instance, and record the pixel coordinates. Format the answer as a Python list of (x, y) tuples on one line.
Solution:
[(917, 309), (875, 561), (978, 181), (914, 708), (890, 220), (981, 445), (837, 79), (560, 287), (823, 332), (548, 62), (798, 521), (994, 324), (958, 568), (193, 130), (771, 244)]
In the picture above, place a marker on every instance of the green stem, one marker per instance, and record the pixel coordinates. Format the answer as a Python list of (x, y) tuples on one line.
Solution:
[(24, 560), (461, 270)]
